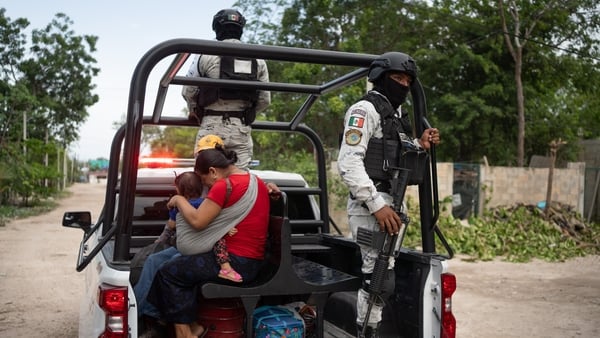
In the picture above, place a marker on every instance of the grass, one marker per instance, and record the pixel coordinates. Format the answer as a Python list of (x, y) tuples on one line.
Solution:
[(10, 212)]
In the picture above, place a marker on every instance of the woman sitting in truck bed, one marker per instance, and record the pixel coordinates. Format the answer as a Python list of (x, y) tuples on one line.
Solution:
[(173, 288)]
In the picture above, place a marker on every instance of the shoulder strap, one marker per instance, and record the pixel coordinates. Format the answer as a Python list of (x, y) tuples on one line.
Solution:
[(385, 111), (204, 240), (227, 191), (382, 106), (198, 65)]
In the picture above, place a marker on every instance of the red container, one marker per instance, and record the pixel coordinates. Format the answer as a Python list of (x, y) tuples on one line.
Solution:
[(224, 317)]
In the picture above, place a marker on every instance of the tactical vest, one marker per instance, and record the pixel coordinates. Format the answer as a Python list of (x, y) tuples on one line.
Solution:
[(395, 149), (232, 68)]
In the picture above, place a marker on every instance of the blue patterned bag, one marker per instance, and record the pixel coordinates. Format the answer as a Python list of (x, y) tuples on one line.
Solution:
[(277, 322)]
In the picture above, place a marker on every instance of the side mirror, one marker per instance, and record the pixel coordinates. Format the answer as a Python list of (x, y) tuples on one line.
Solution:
[(78, 219)]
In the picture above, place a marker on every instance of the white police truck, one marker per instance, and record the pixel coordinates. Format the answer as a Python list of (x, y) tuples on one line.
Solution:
[(310, 261)]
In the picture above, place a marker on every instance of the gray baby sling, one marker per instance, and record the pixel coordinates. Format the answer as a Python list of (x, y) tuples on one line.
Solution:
[(191, 241)]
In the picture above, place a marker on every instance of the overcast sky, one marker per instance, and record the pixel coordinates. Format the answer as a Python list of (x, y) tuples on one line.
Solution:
[(126, 30)]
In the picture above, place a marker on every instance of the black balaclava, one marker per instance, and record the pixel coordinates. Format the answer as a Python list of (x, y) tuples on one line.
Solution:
[(229, 32), (395, 92)]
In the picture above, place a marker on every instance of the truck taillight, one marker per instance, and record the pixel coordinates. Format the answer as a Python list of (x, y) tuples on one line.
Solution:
[(113, 300), (448, 320)]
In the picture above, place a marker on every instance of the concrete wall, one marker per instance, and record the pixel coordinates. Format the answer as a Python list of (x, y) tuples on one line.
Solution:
[(509, 185), (445, 174)]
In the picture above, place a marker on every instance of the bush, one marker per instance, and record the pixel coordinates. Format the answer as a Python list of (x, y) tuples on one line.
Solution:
[(518, 233)]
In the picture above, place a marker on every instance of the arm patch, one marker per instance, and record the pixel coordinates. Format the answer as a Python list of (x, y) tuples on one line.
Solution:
[(357, 122), (353, 137), (358, 112)]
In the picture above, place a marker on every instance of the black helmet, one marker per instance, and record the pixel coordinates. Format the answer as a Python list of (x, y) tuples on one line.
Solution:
[(228, 17), (392, 61)]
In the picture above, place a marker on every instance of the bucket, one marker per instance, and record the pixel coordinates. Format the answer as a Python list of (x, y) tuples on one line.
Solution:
[(223, 317)]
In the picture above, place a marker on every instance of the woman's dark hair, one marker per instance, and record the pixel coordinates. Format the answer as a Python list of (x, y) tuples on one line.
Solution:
[(217, 158), (189, 184)]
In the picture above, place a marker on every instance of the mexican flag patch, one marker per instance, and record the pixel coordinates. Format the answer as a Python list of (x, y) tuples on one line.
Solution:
[(356, 121)]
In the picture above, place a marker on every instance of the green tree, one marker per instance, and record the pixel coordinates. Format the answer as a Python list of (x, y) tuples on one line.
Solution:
[(471, 85), (465, 64), (13, 96), (44, 95), (263, 18), (177, 142), (462, 67), (338, 25), (572, 23), (60, 72)]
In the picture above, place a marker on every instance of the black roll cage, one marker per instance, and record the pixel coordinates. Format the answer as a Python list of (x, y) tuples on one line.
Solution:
[(129, 135)]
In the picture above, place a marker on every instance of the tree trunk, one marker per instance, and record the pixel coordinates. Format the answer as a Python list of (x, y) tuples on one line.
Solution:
[(25, 132), (46, 160), (520, 108), (554, 145), (550, 179), (65, 168)]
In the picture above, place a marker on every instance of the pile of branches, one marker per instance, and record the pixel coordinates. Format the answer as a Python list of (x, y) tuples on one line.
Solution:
[(562, 216), (516, 233)]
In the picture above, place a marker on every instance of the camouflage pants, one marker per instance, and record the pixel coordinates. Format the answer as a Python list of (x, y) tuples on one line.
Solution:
[(236, 136), (369, 256)]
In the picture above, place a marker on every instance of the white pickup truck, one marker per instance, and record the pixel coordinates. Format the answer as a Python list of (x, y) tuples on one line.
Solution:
[(314, 264)]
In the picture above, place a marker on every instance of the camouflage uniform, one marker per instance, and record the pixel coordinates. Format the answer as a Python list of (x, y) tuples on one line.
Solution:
[(361, 123), (235, 134)]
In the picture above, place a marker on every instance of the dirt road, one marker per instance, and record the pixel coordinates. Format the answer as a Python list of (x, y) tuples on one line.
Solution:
[(537, 299), (40, 289)]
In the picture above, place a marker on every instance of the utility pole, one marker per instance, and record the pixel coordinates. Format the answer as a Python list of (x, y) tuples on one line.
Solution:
[(554, 145), (24, 132)]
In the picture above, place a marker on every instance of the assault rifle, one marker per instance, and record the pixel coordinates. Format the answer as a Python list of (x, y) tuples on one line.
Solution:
[(385, 242)]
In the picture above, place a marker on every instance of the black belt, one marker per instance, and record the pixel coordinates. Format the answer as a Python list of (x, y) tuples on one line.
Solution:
[(225, 114)]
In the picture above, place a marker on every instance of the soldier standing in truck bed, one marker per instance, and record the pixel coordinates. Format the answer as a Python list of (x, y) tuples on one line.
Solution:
[(373, 124), (228, 112)]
